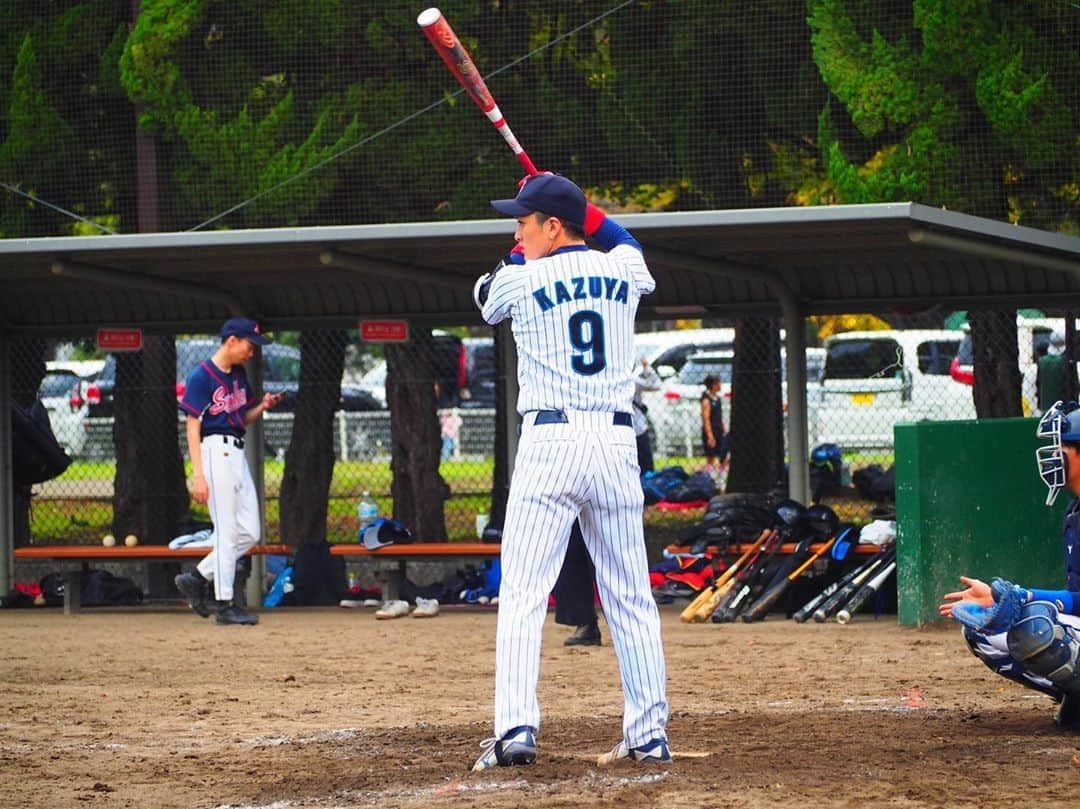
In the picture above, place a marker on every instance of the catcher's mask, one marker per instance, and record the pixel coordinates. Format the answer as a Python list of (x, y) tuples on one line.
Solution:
[(1060, 425)]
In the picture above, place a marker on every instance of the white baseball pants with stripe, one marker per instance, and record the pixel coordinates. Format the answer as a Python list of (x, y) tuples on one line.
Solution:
[(585, 467), (234, 510)]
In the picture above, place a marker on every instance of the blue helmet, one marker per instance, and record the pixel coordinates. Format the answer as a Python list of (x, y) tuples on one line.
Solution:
[(1061, 425)]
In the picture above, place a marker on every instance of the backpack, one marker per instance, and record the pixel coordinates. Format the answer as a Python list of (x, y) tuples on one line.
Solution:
[(699, 486), (102, 589), (35, 454), (318, 578), (656, 484)]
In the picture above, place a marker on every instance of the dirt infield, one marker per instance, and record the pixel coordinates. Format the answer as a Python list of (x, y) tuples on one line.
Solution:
[(330, 708)]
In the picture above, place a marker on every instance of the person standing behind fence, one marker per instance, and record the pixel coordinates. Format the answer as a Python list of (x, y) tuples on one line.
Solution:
[(450, 422), (218, 404), (572, 311), (713, 436), (646, 379), (1052, 374)]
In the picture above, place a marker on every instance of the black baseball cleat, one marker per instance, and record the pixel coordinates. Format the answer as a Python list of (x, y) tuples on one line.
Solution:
[(193, 588), (584, 635), (1067, 715), (229, 613)]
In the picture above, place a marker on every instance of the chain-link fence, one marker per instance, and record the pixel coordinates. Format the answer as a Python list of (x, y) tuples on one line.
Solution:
[(107, 412), (415, 424)]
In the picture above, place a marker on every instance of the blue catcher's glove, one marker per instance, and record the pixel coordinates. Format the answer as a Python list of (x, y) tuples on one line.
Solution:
[(1008, 601)]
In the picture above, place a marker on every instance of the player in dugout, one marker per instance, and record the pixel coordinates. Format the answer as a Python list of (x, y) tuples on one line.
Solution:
[(1030, 635)]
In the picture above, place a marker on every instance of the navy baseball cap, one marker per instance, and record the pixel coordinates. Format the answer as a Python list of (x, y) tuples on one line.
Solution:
[(551, 194), (244, 329)]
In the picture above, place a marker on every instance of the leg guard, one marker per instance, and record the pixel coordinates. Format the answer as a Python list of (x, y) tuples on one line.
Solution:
[(1046, 647), (991, 651)]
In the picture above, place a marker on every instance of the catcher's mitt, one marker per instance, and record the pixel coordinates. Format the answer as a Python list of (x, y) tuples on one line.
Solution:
[(1005, 611)]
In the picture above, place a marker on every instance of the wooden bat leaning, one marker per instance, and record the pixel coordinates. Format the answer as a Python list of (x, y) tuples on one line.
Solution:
[(840, 597), (864, 593), (721, 596), (689, 614), (449, 47), (806, 609), (729, 608), (758, 610)]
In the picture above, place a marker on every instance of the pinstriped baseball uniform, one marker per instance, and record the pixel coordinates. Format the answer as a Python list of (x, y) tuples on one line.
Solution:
[(573, 314)]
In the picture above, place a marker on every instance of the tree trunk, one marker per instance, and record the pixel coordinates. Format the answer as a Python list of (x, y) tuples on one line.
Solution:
[(150, 495), (996, 367), (27, 370), (418, 489), (757, 422), (309, 460)]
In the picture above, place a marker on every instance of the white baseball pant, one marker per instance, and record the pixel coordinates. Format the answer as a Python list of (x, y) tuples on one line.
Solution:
[(234, 510), (587, 466)]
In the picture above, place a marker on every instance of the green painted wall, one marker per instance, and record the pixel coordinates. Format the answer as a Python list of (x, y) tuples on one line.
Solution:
[(969, 501)]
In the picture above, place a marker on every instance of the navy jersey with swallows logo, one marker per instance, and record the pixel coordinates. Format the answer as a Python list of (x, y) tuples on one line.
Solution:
[(218, 399)]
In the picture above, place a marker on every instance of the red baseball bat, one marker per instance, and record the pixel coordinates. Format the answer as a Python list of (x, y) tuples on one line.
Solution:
[(449, 47)]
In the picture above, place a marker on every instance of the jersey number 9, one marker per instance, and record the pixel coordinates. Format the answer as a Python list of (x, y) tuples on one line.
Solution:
[(587, 337)]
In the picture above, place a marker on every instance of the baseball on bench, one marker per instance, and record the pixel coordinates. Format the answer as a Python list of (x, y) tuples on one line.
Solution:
[(108, 540), (131, 540)]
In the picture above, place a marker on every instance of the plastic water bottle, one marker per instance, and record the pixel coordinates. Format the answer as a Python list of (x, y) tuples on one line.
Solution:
[(367, 510)]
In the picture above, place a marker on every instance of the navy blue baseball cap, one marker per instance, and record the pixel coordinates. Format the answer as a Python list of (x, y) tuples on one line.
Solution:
[(244, 329), (551, 194)]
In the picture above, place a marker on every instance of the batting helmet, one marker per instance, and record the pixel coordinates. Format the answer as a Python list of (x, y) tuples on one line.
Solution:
[(1060, 425), (822, 522), (791, 518)]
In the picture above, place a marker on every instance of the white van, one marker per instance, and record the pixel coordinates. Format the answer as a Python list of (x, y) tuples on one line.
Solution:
[(874, 379)]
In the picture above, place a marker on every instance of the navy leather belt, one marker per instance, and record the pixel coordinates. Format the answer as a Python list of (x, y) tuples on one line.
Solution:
[(619, 419), (228, 439)]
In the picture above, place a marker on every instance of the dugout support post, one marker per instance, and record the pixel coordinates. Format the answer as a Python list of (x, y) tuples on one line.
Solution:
[(7, 504)]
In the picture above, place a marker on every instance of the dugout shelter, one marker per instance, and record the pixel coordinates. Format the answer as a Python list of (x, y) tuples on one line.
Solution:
[(787, 262)]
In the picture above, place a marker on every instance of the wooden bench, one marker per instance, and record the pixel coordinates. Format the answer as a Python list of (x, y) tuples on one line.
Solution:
[(89, 553), (86, 554), (785, 548)]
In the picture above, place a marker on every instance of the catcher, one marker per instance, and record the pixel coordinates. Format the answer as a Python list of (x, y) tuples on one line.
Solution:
[(1028, 635)]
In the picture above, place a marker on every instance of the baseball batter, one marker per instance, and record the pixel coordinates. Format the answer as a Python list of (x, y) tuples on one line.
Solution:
[(572, 311), (1029, 635), (219, 405)]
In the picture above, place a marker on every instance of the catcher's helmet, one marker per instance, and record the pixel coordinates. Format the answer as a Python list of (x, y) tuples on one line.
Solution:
[(822, 522), (1061, 425)]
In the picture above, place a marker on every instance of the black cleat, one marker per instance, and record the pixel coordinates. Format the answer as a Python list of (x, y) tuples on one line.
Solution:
[(193, 588), (1067, 715), (231, 614), (584, 635)]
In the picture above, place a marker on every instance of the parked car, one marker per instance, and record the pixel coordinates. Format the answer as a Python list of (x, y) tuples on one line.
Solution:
[(464, 368), (666, 351), (874, 379), (1032, 340), (675, 410), (66, 421), (281, 374)]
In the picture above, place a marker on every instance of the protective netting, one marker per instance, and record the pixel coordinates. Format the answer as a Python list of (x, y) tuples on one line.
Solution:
[(864, 374), (280, 113)]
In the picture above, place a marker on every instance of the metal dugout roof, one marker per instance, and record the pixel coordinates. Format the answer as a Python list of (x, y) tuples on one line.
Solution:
[(823, 259), (788, 261)]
